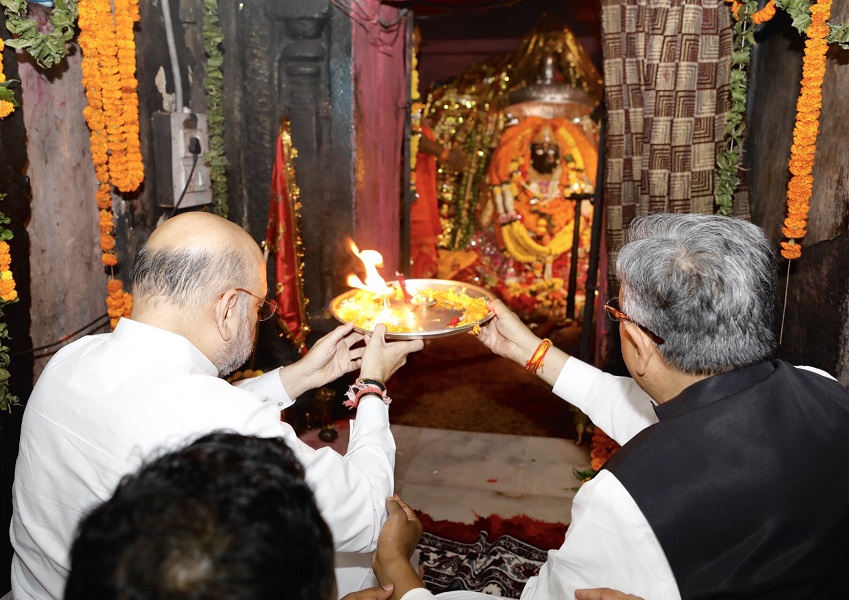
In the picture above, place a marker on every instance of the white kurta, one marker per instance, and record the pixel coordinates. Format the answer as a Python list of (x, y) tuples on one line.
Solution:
[(106, 402), (609, 543)]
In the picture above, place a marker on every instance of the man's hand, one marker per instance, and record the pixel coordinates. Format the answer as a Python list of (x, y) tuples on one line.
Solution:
[(400, 535), (374, 593), (331, 357), (507, 336), (395, 545), (603, 594), (381, 358)]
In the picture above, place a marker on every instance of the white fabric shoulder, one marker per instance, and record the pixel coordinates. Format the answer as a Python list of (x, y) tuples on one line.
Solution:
[(608, 544), (815, 370), (617, 405)]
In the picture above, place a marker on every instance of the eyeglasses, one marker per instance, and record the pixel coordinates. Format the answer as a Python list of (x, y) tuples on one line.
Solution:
[(268, 308), (612, 308)]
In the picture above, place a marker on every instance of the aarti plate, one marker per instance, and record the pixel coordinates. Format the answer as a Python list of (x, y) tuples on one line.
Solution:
[(417, 321)]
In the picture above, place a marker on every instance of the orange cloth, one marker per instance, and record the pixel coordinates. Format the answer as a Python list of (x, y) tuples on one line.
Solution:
[(425, 227)]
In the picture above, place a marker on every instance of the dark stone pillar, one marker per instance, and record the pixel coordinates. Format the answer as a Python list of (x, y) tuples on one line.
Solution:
[(16, 206), (293, 59)]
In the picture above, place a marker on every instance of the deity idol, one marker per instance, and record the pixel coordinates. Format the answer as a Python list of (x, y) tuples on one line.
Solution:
[(540, 170)]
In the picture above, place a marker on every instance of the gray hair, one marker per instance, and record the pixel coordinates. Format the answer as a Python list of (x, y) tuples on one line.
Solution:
[(705, 284), (188, 277)]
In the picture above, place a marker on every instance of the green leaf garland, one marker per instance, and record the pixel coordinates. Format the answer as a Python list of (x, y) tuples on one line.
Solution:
[(213, 84), (48, 49), (7, 399), (728, 161)]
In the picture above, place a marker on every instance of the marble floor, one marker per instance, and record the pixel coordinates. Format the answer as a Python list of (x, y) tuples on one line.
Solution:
[(457, 475)]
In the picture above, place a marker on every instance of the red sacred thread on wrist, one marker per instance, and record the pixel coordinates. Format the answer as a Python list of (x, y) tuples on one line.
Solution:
[(362, 388), (535, 362)]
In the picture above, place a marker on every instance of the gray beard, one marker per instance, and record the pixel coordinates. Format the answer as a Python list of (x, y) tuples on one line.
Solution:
[(236, 352)]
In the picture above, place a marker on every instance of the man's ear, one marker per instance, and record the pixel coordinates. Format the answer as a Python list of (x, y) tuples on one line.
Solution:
[(226, 315), (643, 345)]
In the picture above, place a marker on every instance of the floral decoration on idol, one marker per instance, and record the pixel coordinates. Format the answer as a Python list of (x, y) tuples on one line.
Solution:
[(536, 212), (8, 295), (108, 74)]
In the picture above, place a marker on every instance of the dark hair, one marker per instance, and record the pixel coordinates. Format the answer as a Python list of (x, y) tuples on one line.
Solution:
[(228, 516), (188, 277)]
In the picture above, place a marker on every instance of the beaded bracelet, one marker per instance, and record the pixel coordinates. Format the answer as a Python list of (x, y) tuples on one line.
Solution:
[(364, 387), (535, 362)]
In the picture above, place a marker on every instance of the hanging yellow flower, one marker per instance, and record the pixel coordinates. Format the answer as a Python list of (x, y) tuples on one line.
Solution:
[(803, 150), (7, 104), (118, 303), (8, 293)]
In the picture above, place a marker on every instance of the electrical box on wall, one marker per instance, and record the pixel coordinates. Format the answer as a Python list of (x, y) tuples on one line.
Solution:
[(179, 142)]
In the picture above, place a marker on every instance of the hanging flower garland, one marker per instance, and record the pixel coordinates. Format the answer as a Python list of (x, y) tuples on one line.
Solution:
[(728, 161), (50, 48), (213, 83), (108, 74), (806, 130), (8, 102), (8, 294)]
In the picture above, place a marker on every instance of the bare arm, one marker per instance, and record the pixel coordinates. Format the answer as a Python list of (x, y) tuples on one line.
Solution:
[(395, 545), (507, 336)]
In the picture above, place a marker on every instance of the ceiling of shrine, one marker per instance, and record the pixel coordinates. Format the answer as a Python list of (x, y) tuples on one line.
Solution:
[(458, 33)]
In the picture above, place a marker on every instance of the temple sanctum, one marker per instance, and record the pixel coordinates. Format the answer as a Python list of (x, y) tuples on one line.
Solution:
[(414, 164)]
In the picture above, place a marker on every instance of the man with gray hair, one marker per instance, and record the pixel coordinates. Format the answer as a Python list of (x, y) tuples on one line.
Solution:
[(732, 478), (105, 402)]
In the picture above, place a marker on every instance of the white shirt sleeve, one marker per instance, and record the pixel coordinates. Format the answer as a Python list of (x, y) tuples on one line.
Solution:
[(608, 544), (268, 385), (617, 405), (417, 594)]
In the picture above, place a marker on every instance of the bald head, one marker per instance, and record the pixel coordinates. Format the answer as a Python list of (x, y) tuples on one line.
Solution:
[(193, 257)]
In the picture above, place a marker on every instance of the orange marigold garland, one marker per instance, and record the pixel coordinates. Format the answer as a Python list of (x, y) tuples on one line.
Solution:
[(118, 303), (8, 294), (7, 96), (108, 74), (761, 16), (805, 132), (603, 447)]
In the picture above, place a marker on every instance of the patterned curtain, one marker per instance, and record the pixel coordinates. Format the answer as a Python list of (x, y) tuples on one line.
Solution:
[(666, 75)]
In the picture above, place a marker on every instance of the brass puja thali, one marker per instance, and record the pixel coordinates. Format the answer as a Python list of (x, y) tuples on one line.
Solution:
[(416, 308)]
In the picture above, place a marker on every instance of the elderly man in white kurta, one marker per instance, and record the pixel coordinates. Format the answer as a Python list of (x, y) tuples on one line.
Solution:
[(106, 402)]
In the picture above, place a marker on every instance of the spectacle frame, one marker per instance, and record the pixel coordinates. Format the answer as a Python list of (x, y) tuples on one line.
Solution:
[(268, 308), (612, 308)]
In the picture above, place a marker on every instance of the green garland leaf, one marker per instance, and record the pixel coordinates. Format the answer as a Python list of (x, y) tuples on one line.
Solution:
[(7, 399), (213, 83), (799, 11), (839, 34), (48, 49)]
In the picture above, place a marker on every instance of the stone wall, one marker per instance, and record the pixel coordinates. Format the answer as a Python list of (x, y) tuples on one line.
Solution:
[(816, 320)]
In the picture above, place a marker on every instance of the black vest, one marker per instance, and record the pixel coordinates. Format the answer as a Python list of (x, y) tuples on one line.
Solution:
[(745, 482)]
